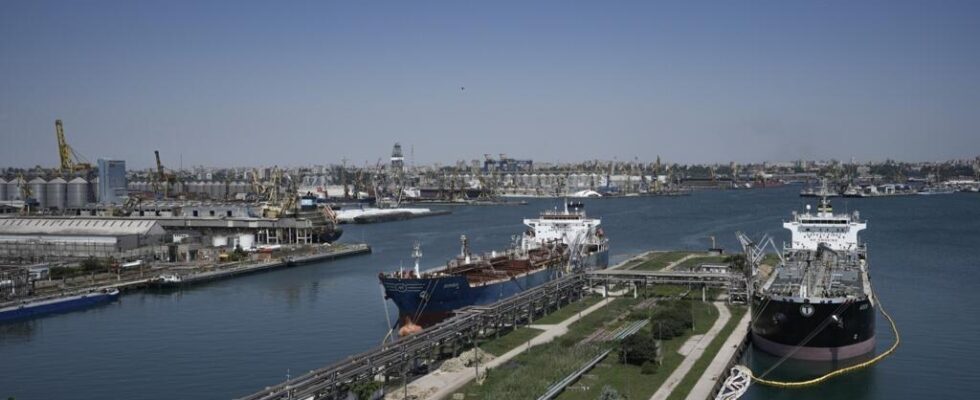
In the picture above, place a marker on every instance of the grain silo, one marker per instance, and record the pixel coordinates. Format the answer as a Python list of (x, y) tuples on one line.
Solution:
[(13, 189), (94, 189), (77, 195), (3, 189), (55, 192), (38, 186)]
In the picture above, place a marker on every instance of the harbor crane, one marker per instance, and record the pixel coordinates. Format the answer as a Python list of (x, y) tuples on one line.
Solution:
[(71, 162), (163, 178)]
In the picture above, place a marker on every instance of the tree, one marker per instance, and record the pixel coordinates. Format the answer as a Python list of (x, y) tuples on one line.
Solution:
[(364, 390), (672, 319), (638, 349), (737, 261)]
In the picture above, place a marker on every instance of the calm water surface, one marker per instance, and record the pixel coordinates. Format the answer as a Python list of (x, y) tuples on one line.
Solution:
[(230, 338)]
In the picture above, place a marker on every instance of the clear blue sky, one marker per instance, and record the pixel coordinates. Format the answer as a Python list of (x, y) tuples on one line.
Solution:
[(227, 83)]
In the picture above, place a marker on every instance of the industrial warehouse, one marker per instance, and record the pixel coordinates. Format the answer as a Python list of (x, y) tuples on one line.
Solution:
[(42, 238)]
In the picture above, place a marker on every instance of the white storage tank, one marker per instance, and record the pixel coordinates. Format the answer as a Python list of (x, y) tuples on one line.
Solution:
[(38, 192), (56, 192), (3, 189), (77, 195), (219, 241)]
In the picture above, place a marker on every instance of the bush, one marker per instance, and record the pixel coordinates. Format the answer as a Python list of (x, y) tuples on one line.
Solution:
[(608, 393), (638, 349), (363, 390), (738, 262), (671, 319), (92, 264), (649, 368)]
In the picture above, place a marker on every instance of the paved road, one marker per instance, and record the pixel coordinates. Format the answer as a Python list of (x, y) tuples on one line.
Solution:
[(675, 377)]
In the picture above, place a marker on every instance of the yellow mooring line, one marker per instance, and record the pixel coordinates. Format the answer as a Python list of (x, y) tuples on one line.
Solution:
[(841, 371)]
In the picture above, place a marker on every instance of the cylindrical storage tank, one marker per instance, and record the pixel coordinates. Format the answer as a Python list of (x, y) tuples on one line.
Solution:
[(246, 241), (219, 241), (217, 190), (93, 190), (38, 192), (176, 188), (241, 187), (77, 194), (195, 187), (13, 189), (56, 191), (3, 189)]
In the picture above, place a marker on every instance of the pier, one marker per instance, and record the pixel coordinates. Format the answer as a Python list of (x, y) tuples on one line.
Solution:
[(400, 358), (287, 261), (414, 353)]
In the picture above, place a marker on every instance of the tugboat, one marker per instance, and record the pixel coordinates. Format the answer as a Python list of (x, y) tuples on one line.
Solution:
[(818, 303), (556, 244)]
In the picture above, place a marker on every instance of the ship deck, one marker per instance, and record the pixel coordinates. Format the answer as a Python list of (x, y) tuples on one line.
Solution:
[(825, 275)]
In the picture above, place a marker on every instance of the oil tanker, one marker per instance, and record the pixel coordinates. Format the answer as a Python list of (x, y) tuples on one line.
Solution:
[(818, 303), (557, 243)]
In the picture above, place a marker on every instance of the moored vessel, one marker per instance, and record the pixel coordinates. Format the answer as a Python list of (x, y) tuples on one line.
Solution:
[(56, 304), (818, 303), (556, 243)]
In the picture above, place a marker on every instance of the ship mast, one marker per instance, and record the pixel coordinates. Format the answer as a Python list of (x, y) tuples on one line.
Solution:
[(417, 255)]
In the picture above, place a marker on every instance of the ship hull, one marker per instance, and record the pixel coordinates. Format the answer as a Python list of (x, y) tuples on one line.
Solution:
[(72, 303), (782, 325), (429, 300)]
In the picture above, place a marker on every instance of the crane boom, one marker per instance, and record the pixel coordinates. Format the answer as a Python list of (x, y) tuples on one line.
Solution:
[(70, 161), (64, 152)]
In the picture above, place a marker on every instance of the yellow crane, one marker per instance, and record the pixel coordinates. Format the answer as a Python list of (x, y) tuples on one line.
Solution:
[(70, 160)]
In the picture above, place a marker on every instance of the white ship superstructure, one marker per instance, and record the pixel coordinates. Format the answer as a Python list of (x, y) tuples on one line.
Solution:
[(570, 226), (836, 231)]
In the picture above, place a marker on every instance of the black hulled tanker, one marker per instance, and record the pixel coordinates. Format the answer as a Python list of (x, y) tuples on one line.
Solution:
[(818, 304)]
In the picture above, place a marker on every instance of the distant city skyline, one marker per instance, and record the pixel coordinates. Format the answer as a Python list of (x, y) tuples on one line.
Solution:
[(224, 84)]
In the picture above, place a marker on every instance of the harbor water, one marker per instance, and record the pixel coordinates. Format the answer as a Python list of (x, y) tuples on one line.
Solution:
[(230, 338)]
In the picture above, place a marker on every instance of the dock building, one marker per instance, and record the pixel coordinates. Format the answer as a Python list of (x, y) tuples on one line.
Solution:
[(66, 238)]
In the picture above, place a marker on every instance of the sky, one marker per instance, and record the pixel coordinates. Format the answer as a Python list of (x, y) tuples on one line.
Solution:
[(240, 83)]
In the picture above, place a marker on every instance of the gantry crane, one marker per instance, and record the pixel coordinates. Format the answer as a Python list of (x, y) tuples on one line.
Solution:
[(71, 162)]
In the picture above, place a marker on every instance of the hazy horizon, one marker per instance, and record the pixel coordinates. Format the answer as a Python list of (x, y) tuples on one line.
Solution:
[(239, 83)]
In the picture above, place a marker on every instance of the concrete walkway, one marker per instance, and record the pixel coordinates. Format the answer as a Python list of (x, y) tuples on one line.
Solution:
[(640, 257), (675, 377), (718, 366), (439, 385), (671, 266)]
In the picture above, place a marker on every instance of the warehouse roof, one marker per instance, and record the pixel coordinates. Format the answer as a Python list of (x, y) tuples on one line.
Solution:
[(79, 226)]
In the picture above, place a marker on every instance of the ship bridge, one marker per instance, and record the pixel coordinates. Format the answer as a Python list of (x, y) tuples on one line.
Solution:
[(836, 231)]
